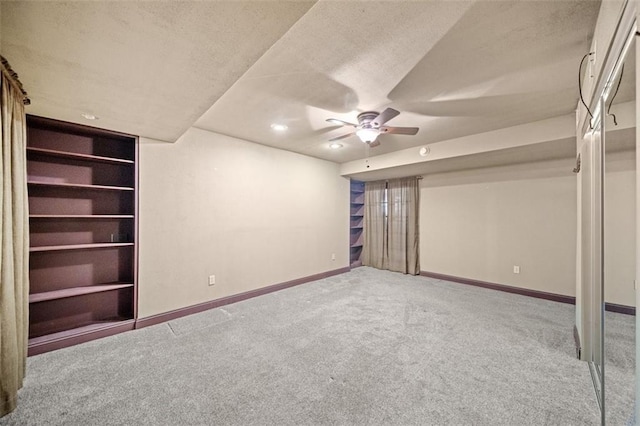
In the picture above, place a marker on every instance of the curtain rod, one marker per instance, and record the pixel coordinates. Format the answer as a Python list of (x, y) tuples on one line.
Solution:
[(387, 180), (417, 177), (13, 77)]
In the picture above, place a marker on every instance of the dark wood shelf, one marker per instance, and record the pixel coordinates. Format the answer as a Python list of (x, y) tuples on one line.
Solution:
[(85, 329), (78, 247), (76, 291), (76, 156), (357, 198), (83, 222), (82, 216), (356, 214), (80, 186)]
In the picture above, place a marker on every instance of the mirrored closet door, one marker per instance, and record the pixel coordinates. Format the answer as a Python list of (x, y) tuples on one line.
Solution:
[(607, 239), (619, 207)]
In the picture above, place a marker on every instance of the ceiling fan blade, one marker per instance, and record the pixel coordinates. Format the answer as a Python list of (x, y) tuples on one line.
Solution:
[(342, 137), (374, 143), (400, 130), (340, 122), (384, 116)]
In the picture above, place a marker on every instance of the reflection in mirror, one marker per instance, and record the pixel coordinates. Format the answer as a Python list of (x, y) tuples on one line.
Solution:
[(592, 266), (619, 242)]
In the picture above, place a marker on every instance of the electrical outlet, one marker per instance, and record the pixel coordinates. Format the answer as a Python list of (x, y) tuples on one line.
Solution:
[(212, 279), (516, 269), (333, 256)]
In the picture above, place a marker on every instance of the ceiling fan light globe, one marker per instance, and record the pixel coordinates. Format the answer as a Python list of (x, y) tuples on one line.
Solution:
[(368, 135)]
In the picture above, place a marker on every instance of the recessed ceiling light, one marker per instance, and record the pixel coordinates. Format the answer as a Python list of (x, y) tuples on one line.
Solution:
[(335, 145), (90, 116), (279, 127)]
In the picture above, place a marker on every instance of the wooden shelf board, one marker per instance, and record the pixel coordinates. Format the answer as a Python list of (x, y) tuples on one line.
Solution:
[(88, 328), (80, 186), (81, 216), (76, 156), (78, 247), (75, 291)]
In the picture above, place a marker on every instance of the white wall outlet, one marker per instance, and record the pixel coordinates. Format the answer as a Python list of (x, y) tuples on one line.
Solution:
[(333, 256), (212, 279), (516, 269)]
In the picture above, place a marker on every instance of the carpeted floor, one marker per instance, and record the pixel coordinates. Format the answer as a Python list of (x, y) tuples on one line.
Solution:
[(366, 347)]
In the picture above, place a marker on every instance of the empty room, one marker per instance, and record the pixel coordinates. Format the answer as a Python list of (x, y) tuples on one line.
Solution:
[(319, 212)]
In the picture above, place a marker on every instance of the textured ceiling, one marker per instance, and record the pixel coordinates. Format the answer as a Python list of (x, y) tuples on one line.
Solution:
[(453, 68), (146, 68)]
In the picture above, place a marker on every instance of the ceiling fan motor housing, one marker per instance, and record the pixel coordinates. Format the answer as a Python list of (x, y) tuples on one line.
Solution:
[(371, 124), (367, 132), (365, 118)]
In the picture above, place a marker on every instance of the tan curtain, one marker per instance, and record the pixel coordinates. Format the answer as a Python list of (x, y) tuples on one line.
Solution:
[(374, 248), (391, 232), (14, 236), (403, 197)]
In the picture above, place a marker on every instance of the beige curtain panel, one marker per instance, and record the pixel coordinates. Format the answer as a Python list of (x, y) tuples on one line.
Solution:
[(403, 197), (391, 234), (374, 247), (14, 235)]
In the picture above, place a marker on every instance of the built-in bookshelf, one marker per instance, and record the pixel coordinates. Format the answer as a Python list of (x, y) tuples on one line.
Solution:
[(82, 226), (357, 217)]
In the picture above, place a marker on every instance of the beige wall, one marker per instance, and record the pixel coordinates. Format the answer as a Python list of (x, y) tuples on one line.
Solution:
[(256, 216), (252, 215), (619, 231), (480, 223)]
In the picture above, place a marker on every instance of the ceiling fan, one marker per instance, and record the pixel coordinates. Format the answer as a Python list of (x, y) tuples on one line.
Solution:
[(371, 124)]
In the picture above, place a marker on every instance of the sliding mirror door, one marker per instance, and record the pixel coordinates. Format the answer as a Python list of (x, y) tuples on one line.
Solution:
[(607, 183), (592, 156), (619, 238)]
